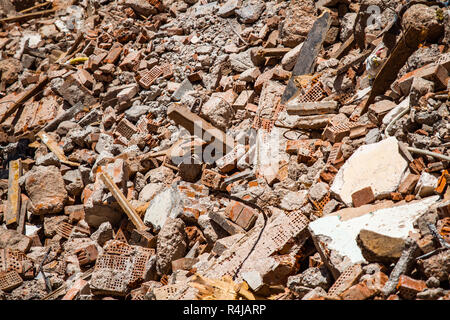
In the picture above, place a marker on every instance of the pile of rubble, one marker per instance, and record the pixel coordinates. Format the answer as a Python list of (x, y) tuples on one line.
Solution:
[(239, 149)]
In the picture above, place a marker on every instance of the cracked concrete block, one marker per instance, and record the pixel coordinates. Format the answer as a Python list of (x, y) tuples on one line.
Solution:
[(378, 165), (337, 232)]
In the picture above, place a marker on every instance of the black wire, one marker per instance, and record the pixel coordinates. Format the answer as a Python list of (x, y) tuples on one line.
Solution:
[(287, 138), (250, 204)]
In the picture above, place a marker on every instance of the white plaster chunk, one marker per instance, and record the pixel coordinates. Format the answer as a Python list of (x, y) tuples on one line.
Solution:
[(426, 184), (165, 204), (378, 165), (394, 222)]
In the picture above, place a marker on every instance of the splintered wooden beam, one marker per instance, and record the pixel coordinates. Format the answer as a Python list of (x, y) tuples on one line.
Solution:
[(126, 207), (307, 57), (28, 95), (405, 47), (66, 55), (62, 289), (344, 48), (14, 200), (360, 58), (197, 125), (53, 147), (28, 16), (35, 7)]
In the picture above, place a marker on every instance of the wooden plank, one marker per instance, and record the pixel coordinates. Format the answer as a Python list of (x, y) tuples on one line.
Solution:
[(360, 58), (344, 48), (35, 7), (14, 200), (22, 214), (126, 207), (52, 145), (28, 16), (67, 55), (308, 53), (405, 47), (67, 115), (31, 93)]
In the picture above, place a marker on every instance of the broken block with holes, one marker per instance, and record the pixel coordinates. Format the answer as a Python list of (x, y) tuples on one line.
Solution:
[(120, 268)]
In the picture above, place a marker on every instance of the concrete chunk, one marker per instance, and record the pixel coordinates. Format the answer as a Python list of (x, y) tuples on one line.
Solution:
[(228, 8), (165, 204), (426, 185), (337, 232), (378, 165), (46, 189)]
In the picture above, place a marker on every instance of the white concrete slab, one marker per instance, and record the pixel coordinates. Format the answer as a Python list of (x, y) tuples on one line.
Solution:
[(379, 166), (394, 222)]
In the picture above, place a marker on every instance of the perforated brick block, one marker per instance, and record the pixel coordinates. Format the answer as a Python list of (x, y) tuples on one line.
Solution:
[(319, 205), (410, 287), (313, 94), (118, 247), (120, 268), (141, 258), (256, 122), (111, 275), (242, 257), (64, 229), (335, 153), (347, 278), (10, 280), (126, 129), (12, 260), (148, 77), (336, 133), (345, 97), (167, 291)]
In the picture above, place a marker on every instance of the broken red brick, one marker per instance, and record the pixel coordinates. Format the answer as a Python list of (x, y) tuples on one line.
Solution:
[(87, 254), (114, 53), (359, 291), (362, 197), (409, 287), (75, 212), (85, 78), (75, 289), (242, 215), (407, 185), (396, 196)]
